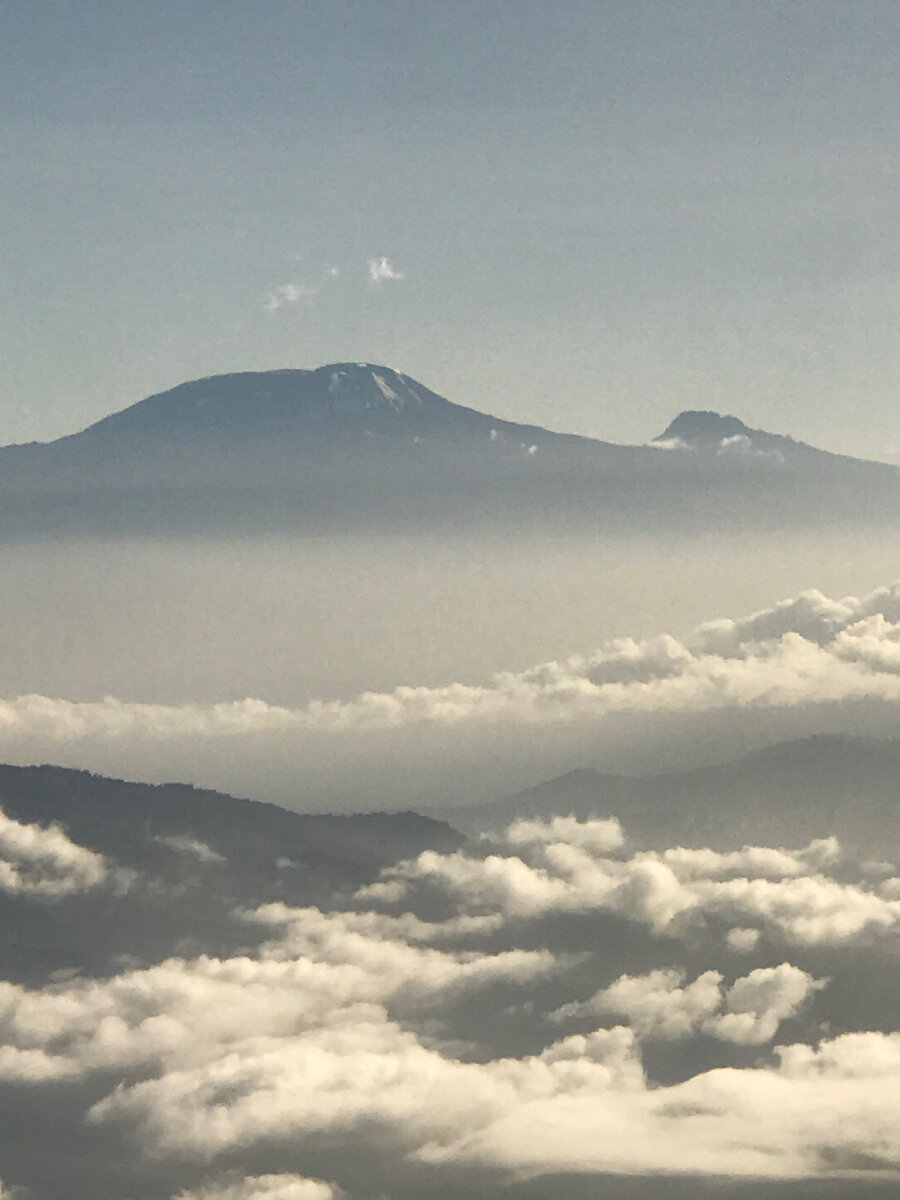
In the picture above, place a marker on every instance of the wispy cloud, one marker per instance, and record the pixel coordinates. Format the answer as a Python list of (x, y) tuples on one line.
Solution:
[(382, 270), (297, 291), (289, 293), (264, 1187)]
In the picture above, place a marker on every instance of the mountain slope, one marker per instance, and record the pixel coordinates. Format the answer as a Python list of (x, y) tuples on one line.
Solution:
[(341, 405)]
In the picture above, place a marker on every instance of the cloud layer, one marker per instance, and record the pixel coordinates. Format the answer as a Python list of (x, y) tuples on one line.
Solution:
[(374, 1029), (810, 651), (787, 894)]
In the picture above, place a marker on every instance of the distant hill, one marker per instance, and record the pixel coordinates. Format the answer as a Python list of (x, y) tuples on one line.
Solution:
[(361, 445), (195, 856), (785, 794)]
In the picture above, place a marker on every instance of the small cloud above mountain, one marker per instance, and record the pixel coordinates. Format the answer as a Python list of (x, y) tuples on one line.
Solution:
[(382, 270), (289, 293)]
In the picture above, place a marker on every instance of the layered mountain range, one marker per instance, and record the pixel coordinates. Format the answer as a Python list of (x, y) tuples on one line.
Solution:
[(357, 443), (211, 854)]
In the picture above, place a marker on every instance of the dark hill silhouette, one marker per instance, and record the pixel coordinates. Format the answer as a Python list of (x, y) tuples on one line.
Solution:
[(711, 433), (195, 856)]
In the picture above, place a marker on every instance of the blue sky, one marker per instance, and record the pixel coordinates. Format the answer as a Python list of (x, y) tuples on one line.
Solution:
[(602, 213)]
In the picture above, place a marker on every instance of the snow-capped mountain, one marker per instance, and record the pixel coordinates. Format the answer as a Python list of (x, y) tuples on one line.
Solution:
[(340, 401)]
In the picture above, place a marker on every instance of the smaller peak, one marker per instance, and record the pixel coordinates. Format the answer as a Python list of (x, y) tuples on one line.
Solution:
[(695, 425)]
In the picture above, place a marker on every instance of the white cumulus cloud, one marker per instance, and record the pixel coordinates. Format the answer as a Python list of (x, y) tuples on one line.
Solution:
[(330, 1033), (382, 270), (783, 892), (43, 861), (661, 1005), (265, 1187)]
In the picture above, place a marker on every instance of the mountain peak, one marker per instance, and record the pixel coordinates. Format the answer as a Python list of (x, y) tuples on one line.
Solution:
[(368, 385), (700, 426), (338, 398)]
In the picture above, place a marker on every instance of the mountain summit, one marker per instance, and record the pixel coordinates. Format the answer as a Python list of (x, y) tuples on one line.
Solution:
[(696, 425), (339, 401)]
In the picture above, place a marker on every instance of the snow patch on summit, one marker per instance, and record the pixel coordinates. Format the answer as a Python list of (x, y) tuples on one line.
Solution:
[(387, 392)]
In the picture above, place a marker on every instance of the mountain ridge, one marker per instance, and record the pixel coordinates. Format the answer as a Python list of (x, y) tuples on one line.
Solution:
[(783, 793), (358, 445), (370, 391)]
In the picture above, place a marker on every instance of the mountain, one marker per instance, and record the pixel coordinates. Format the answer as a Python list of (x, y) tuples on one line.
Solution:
[(213, 423), (786, 794), (339, 402), (357, 445), (710, 432)]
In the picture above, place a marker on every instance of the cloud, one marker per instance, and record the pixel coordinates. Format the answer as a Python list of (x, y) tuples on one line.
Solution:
[(831, 1108), (597, 835), (806, 652), (580, 1104), (289, 293), (756, 1004), (336, 1035), (371, 1078), (324, 969), (42, 861), (382, 270), (297, 292), (655, 1005), (782, 892), (265, 1187), (662, 1005), (742, 941), (192, 847)]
